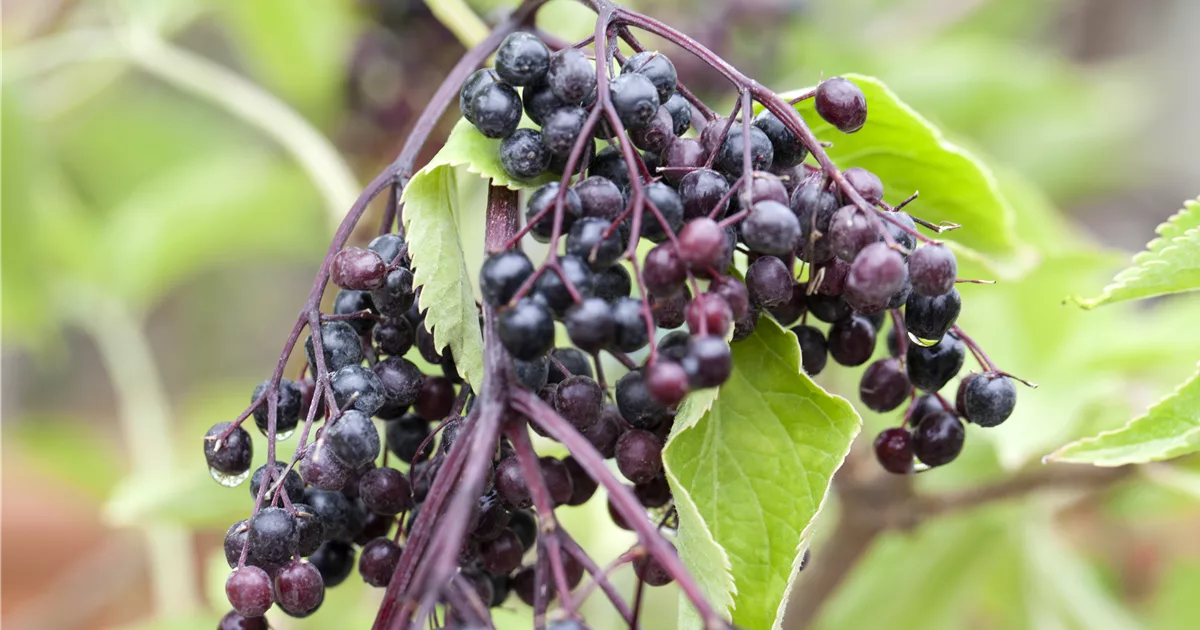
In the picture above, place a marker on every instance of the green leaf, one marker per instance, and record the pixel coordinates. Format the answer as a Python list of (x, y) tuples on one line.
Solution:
[(1168, 429), (752, 473), (909, 155), (481, 155), (1170, 264), (189, 497), (439, 266)]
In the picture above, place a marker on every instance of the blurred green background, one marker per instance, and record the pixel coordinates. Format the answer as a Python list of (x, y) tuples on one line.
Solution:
[(172, 170)]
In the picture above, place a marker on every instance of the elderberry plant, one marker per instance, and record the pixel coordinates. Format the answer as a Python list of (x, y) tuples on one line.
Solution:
[(657, 213)]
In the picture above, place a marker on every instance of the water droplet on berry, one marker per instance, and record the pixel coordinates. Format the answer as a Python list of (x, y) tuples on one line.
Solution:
[(228, 480), (924, 343), (283, 435)]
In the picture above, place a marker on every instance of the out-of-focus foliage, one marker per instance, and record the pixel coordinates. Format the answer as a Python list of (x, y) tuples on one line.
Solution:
[(120, 182)]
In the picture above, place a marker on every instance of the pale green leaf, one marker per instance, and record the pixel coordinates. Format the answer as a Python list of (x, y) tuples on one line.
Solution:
[(1170, 264), (1170, 428), (910, 155), (481, 155), (439, 268), (756, 469), (189, 497)]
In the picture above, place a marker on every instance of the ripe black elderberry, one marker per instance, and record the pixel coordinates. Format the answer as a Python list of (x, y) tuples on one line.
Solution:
[(930, 368), (378, 560), (385, 491), (813, 350), (356, 387), (787, 148), (842, 104), (639, 455), (348, 302), (542, 201), (341, 345), (561, 128), (353, 439), (522, 154), (604, 433), (933, 269), (866, 183), (929, 318), (494, 108), (293, 485), (708, 361), (894, 450), (681, 113), (404, 435), (851, 340), (526, 329), (299, 589), (635, 98), (231, 458), (571, 76), (334, 561), (249, 591), (502, 274), (938, 439), (587, 241), (320, 469), (664, 199), (884, 385), (273, 536), (522, 59), (730, 159), (988, 399), (771, 228), (636, 404), (702, 192), (769, 282)]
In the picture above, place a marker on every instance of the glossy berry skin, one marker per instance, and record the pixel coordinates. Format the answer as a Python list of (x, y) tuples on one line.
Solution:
[(552, 291), (590, 325), (522, 59), (341, 344), (600, 197), (635, 98), (342, 518), (310, 529), (929, 318), (902, 237), (667, 381), (235, 453), (656, 67), (795, 308), (708, 362), (865, 183), (656, 135), (851, 340), (561, 128), (682, 153), (401, 382), (930, 368), (604, 433), (475, 83), (669, 312), (557, 478), (542, 202), (651, 571), (390, 248), (396, 295), (502, 274), (348, 302), (587, 241), (385, 491), (249, 591), (571, 76), (709, 314), (814, 207), (769, 282), (938, 439), (893, 450), (579, 400), (639, 455), (353, 439), (654, 493), (495, 109), (814, 351), (787, 148), (582, 484), (503, 553), (575, 362), (404, 436), (667, 202), (359, 388), (526, 329), (321, 469), (293, 485), (876, 273), (334, 561), (523, 155), (630, 327), (933, 270), (233, 621), (273, 536), (663, 269), (299, 589), (842, 104), (771, 228), (701, 192), (357, 269), (681, 113), (435, 399), (730, 159), (850, 230), (636, 404), (235, 540), (988, 399), (377, 561), (511, 485), (884, 385), (733, 292)]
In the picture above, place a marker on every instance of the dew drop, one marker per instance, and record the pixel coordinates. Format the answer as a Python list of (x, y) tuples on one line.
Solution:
[(283, 435), (228, 480), (924, 343)]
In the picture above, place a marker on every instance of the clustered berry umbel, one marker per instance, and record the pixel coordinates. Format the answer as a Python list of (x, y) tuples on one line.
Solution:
[(736, 184)]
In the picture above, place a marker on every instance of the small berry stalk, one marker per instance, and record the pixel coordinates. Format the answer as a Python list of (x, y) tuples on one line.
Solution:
[(466, 515)]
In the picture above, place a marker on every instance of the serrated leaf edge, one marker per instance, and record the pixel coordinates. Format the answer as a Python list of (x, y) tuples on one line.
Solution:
[(1182, 440)]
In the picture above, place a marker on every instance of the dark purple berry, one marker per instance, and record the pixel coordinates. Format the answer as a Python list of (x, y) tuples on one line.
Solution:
[(929, 318), (230, 458), (769, 282), (635, 98), (526, 329), (636, 404), (385, 491), (639, 455), (249, 591), (273, 536), (988, 399), (933, 269), (579, 400), (842, 104), (851, 340), (522, 59), (813, 349), (884, 385), (930, 368), (357, 269), (893, 449), (299, 589), (702, 192), (938, 439)]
